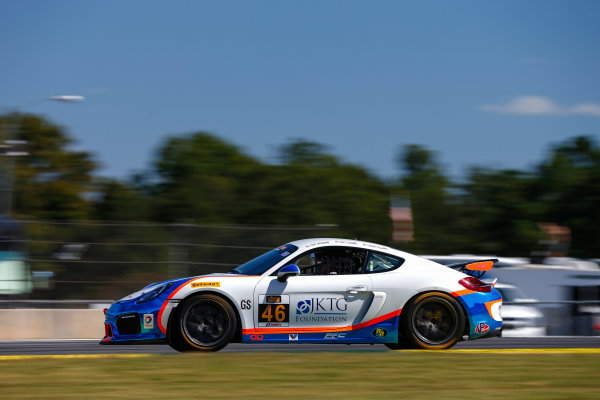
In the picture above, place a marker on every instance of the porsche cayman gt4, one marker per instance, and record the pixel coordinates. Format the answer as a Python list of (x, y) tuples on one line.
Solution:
[(315, 291)]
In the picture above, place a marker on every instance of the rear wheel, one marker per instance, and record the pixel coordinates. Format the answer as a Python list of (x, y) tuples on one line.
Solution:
[(204, 323), (432, 321)]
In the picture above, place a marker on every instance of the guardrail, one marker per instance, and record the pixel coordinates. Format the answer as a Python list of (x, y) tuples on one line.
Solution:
[(53, 323), (49, 304)]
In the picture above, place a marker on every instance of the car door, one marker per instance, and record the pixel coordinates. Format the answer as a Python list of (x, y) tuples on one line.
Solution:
[(319, 301)]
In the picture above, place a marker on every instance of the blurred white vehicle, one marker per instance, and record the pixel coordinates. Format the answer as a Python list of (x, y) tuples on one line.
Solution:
[(521, 317)]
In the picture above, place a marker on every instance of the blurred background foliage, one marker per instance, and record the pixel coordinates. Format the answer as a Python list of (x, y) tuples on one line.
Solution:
[(199, 178)]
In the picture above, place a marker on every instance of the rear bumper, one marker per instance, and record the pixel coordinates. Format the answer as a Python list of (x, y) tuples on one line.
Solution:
[(496, 332), (483, 311)]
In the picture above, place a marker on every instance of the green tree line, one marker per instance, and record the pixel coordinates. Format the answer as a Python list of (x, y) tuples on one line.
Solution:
[(201, 178)]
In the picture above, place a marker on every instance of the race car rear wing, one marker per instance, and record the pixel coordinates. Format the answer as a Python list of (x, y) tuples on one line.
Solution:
[(476, 269)]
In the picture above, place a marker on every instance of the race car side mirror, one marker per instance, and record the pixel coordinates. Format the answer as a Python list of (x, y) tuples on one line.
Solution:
[(287, 271)]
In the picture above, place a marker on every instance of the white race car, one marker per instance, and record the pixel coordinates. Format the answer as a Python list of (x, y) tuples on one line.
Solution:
[(315, 291)]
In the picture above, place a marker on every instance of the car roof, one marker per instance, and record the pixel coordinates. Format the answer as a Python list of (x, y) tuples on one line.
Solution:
[(305, 244), (334, 242)]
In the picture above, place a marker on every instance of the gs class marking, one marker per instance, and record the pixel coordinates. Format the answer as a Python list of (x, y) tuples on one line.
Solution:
[(246, 305)]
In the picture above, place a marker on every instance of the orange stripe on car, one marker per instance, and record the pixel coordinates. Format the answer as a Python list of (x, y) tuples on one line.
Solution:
[(462, 292), (162, 309), (489, 305), (324, 329)]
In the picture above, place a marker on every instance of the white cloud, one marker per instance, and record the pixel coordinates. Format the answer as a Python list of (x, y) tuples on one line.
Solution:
[(538, 105), (587, 109)]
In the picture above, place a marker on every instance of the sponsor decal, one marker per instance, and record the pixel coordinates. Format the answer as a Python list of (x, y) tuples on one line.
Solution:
[(322, 305), (349, 242), (379, 332), (317, 244), (206, 284), (361, 244), (322, 309), (293, 337), (246, 304), (285, 253), (256, 337), (322, 318), (482, 328), (273, 299), (304, 307), (274, 324), (148, 321), (335, 335)]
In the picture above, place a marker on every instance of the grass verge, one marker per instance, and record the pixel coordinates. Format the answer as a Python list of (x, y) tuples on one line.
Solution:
[(372, 375)]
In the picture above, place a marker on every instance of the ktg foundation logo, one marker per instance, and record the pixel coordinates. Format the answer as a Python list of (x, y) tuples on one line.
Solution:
[(324, 310), (322, 306)]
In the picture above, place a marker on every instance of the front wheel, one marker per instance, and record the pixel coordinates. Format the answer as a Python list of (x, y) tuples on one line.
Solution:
[(432, 321), (204, 323)]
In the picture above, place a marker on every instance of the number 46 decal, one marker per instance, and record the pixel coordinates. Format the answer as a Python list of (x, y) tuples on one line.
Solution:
[(273, 313)]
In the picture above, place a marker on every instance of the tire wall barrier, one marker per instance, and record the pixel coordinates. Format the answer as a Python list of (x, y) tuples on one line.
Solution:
[(18, 324)]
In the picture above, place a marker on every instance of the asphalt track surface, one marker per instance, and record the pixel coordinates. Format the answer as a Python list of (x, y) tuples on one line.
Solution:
[(82, 347)]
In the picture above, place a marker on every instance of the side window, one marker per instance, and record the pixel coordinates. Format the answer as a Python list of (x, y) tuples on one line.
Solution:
[(306, 263), (332, 261), (379, 262)]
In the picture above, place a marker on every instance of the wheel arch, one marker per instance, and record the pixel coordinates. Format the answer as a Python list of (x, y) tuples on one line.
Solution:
[(466, 328), (237, 337)]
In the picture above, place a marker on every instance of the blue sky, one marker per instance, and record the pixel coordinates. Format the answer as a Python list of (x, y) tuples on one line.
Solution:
[(480, 83)]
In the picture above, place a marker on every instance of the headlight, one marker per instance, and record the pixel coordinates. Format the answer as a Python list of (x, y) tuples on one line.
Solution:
[(152, 294)]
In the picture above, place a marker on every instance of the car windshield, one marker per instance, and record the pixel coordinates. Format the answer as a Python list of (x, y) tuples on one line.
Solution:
[(262, 263)]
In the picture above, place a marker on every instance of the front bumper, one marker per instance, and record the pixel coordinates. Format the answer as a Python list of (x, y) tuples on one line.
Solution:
[(129, 322)]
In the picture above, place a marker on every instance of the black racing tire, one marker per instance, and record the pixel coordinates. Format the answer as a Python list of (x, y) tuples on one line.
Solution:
[(202, 323), (432, 321)]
